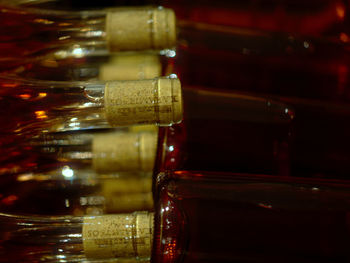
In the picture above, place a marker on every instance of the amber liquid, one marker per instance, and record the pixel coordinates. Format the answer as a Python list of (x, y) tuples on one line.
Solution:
[(206, 217)]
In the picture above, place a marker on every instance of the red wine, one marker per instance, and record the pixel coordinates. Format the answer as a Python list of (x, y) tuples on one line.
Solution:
[(204, 217), (308, 74), (227, 131)]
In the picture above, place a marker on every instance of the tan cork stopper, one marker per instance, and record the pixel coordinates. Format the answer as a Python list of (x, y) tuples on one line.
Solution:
[(129, 202), (141, 128), (140, 28), (127, 194), (155, 101), (131, 67), (124, 151), (118, 236)]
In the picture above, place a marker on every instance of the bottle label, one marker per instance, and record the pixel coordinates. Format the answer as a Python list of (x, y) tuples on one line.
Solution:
[(118, 236), (140, 28), (155, 101)]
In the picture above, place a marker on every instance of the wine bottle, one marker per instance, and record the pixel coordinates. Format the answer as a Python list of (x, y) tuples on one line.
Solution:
[(30, 31), (317, 18), (325, 18), (72, 190), (203, 217), (54, 230), (200, 217), (275, 60), (29, 107)]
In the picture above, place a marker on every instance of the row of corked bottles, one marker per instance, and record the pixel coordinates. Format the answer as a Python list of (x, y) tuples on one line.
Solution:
[(246, 162)]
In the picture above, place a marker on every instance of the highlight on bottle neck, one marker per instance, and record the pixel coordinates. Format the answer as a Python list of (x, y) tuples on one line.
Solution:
[(155, 101), (118, 236)]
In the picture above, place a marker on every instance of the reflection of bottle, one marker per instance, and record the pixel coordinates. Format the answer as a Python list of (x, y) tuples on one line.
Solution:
[(123, 150), (105, 152), (92, 66), (30, 31), (201, 217), (76, 191), (32, 106)]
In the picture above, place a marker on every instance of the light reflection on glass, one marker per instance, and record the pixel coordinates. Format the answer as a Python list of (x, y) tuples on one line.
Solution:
[(268, 206), (173, 76), (40, 114), (78, 52), (67, 172)]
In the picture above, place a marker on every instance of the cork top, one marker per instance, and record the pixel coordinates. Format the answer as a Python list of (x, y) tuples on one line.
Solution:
[(140, 28), (118, 236), (131, 67), (124, 151), (155, 101)]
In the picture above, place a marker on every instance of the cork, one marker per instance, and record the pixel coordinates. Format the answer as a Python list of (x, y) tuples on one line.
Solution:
[(140, 28), (131, 67), (129, 202), (141, 128), (156, 101), (124, 151), (127, 194), (118, 236)]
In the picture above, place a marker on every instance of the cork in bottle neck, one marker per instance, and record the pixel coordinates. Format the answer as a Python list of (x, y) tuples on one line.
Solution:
[(118, 236), (140, 28), (154, 101)]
